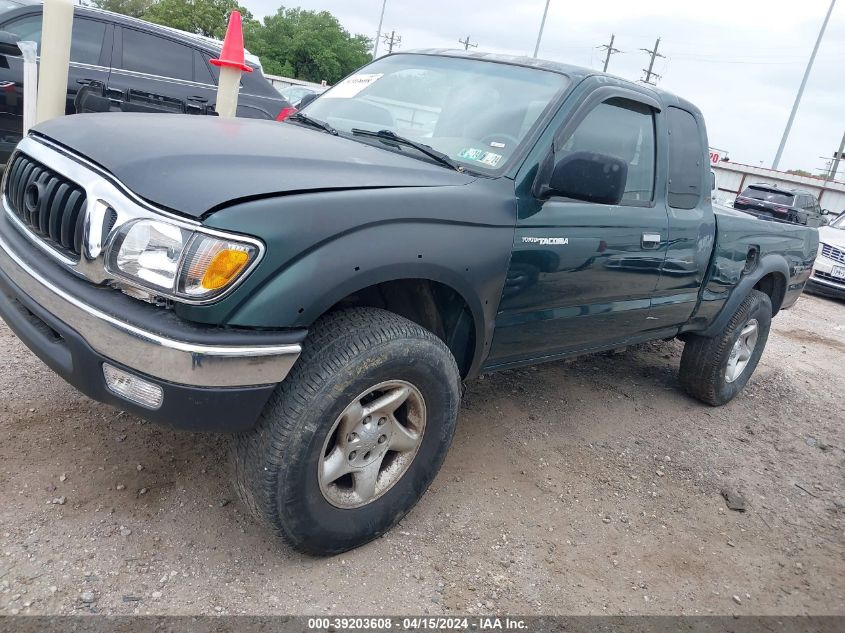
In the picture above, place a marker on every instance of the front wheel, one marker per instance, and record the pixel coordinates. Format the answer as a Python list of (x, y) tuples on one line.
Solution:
[(714, 370), (353, 437)]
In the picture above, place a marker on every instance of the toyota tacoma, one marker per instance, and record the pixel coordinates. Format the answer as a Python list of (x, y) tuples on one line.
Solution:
[(321, 288)]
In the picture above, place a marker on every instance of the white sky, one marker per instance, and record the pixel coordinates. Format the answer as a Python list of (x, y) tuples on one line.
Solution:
[(740, 61)]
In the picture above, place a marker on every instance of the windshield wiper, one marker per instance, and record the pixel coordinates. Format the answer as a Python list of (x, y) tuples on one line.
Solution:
[(301, 117), (429, 151)]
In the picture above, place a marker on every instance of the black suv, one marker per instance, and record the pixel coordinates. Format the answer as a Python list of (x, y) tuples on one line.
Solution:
[(791, 205), (124, 54)]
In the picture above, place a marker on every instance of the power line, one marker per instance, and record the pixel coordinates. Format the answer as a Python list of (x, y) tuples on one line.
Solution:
[(391, 41), (467, 44), (654, 55), (610, 51)]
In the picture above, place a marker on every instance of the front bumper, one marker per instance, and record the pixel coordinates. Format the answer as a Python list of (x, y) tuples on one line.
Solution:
[(214, 379), (822, 282)]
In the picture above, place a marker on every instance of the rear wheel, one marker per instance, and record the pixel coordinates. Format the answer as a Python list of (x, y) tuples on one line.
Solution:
[(353, 437), (714, 370)]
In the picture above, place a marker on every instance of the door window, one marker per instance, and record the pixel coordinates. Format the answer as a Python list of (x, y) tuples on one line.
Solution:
[(686, 153), (153, 55), (201, 72), (86, 39), (623, 129)]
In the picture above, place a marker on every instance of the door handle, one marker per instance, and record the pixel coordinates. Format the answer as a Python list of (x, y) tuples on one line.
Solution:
[(650, 240)]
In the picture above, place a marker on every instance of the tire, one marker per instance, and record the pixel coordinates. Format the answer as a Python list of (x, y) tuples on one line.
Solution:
[(705, 373), (282, 468)]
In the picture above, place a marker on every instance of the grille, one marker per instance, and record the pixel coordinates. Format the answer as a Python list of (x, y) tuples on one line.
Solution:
[(48, 203), (828, 277), (833, 253)]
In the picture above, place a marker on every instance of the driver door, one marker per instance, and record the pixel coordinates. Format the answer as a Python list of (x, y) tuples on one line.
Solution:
[(582, 274)]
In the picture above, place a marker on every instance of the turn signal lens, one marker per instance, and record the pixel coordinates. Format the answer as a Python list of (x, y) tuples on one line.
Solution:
[(213, 264), (223, 268)]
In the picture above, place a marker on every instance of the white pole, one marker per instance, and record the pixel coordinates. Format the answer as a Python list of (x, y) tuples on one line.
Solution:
[(29, 51), (542, 26), (55, 58), (378, 34), (228, 85), (776, 162)]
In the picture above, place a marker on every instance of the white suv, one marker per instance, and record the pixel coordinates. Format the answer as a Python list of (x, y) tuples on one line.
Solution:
[(829, 273)]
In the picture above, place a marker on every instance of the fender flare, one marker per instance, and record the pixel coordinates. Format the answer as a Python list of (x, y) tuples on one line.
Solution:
[(768, 264)]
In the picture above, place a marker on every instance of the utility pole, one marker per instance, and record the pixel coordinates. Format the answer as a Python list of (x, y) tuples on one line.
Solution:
[(467, 44), (378, 34), (542, 26), (610, 51), (654, 55), (801, 88), (836, 158), (392, 41)]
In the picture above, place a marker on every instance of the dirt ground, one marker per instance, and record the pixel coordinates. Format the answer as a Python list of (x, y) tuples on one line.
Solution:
[(588, 487)]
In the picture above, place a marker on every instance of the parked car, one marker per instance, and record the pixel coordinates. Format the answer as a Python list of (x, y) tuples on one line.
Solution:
[(125, 53), (790, 205), (295, 93), (320, 288), (829, 272)]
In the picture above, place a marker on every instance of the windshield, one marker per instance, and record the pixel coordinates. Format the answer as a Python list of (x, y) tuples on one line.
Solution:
[(295, 93), (476, 112), (767, 195)]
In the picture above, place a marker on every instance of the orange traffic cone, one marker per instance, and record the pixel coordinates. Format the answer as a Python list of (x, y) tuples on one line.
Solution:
[(232, 54)]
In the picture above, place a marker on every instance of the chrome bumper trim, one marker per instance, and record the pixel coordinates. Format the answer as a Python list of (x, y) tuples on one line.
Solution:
[(180, 362), (830, 284)]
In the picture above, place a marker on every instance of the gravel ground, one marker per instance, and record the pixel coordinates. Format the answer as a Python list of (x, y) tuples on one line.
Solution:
[(585, 487)]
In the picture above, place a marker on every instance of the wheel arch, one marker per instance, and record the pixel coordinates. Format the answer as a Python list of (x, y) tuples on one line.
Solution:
[(429, 298), (770, 276)]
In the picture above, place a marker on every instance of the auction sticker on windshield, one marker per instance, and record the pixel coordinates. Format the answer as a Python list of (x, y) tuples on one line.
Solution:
[(351, 86), (490, 159)]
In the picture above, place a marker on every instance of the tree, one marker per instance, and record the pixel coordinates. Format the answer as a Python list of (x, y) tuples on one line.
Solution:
[(799, 172), (134, 8), (306, 45), (203, 17)]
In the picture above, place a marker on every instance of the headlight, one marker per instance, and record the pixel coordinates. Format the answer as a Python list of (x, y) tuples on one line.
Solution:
[(177, 262)]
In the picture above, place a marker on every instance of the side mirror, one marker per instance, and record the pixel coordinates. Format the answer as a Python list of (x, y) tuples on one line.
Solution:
[(825, 211), (9, 44), (591, 177), (307, 99)]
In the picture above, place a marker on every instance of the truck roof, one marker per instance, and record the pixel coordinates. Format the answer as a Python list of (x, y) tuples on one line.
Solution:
[(576, 73)]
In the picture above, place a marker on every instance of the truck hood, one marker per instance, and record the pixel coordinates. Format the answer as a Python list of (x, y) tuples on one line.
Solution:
[(195, 164), (833, 236)]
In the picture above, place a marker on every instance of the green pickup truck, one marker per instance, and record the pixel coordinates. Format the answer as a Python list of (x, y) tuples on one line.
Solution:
[(320, 288)]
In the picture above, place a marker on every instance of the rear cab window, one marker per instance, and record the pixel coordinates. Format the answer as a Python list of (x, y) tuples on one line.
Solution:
[(686, 153)]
